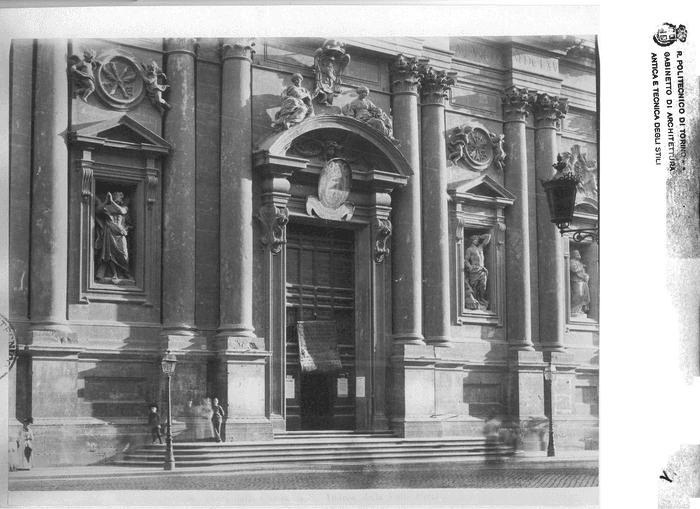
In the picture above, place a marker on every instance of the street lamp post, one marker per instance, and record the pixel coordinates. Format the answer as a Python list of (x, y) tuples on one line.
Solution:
[(168, 366), (549, 377)]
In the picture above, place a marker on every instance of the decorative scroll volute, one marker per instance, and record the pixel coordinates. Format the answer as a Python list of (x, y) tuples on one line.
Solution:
[(274, 220), (382, 232), (86, 177), (151, 191)]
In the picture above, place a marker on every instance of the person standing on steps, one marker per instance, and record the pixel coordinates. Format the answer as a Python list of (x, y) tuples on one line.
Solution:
[(217, 419), (154, 424)]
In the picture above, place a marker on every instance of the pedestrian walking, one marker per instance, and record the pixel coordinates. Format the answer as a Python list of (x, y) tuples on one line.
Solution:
[(217, 418), (154, 424), (492, 432), (25, 443)]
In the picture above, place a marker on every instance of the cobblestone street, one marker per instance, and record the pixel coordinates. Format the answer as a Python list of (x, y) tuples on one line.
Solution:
[(427, 476)]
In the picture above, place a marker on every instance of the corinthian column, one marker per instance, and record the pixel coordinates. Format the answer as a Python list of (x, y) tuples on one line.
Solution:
[(518, 309), (435, 86), (236, 219), (179, 192), (549, 110), (407, 289), (49, 238)]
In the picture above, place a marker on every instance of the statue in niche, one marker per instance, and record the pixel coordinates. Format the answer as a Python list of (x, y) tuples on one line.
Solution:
[(296, 104), (580, 294), (111, 251), (578, 163), (152, 75), (330, 61), (364, 110), (476, 275), (82, 72)]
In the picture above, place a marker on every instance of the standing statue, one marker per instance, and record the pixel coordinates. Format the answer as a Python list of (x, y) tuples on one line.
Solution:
[(330, 61), (82, 72), (580, 294), (151, 75), (111, 252), (296, 104), (364, 110), (476, 275)]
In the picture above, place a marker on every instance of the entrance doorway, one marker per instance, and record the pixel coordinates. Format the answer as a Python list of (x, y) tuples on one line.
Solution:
[(320, 287)]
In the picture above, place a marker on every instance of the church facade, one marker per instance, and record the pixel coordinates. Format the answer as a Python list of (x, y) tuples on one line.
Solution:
[(327, 234)]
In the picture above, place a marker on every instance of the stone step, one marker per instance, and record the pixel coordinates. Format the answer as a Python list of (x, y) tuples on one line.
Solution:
[(343, 456)]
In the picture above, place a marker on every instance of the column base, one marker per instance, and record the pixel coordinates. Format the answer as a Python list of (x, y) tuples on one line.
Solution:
[(408, 338), (522, 346), (439, 341), (235, 330), (553, 347)]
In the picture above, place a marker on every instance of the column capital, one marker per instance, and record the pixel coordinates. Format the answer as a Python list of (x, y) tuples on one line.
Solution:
[(515, 101), (405, 74), (240, 49), (186, 45), (549, 110), (435, 85)]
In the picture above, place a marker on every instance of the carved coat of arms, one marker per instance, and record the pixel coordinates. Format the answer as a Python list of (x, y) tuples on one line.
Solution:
[(333, 191)]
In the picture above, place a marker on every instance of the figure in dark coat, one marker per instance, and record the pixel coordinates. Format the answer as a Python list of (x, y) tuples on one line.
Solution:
[(154, 424)]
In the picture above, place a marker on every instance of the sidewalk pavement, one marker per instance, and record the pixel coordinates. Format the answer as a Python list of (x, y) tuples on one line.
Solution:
[(527, 460)]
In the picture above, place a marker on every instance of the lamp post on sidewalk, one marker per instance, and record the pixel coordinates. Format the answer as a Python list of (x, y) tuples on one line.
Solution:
[(549, 377), (168, 366)]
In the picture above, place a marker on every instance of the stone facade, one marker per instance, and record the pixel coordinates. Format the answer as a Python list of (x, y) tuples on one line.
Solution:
[(234, 227)]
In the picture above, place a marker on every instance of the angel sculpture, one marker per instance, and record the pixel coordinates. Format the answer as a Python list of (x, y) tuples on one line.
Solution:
[(151, 75), (82, 73), (330, 61)]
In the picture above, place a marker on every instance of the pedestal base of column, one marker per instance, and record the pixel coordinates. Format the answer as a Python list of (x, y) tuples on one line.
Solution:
[(180, 342), (417, 427), (279, 423), (408, 338), (530, 433), (248, 430), (380, 423), (232, 343), (526, 387), (51, 333)]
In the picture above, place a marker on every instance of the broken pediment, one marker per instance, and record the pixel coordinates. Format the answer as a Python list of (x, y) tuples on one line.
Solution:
[(484, 190), (121, 132)]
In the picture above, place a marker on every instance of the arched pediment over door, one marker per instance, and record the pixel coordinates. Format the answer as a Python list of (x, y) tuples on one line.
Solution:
[(302, 151)]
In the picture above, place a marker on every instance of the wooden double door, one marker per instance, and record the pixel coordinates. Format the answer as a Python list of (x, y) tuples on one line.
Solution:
[(320, 285)]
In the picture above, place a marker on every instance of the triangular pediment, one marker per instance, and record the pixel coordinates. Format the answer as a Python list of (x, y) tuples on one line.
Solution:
[(482, 187), (119, 132)]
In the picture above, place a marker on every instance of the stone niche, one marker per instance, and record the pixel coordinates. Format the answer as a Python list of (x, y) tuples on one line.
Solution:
[(117, 186), (476, 209)]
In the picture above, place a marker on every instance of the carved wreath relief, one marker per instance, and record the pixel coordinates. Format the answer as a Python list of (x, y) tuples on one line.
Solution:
[(474, 147), (333, 191), (120, 82)]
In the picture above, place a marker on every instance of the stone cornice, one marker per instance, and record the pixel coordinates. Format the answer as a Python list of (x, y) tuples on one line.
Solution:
[(435, 85), (237, 49), (516, 101), (405, 74), (549, 110)]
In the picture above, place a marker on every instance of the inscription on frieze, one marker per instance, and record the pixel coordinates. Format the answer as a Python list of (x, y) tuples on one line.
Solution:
[(529, 62)]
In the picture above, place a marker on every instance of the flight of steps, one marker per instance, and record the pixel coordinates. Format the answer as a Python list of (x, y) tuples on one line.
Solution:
[(317, 447)]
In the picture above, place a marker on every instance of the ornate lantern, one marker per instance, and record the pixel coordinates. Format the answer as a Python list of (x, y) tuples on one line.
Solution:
[(560, 191)]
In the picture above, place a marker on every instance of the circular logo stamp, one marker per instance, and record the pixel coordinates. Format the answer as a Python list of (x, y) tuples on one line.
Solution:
[(8, 336)]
